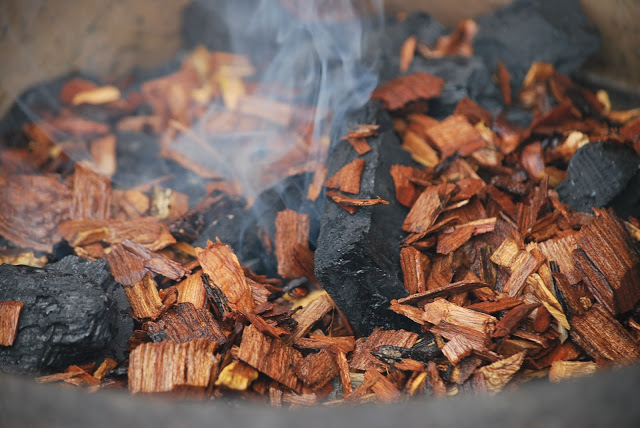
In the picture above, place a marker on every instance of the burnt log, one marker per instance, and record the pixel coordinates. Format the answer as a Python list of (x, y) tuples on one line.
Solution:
[(357, 259), (74, 312)]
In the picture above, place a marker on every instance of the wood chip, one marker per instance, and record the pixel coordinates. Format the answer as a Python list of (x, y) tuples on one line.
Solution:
[(220, 263), (146, 231), (504, 82), (144, 299), (184, 322), (437, 384), (565, 370), (407, 192), (446, 290), (456, 135), (295, 258), (315, 188), (524, 265), (352, 204), (237, 376), (347, 179), (512, 319), (9, 317), (602, 336), (420, 150), (107, 365), (191, 290), (345, 377), (362, 358), (407, 51), (311, 314), (168, 366), (442, 310), (413, 264), (473, 112), (498, 374), (130, 261), (269, 356), (614, 281), (400, 91), (99, 95), (344, 344), (316, 370), (428, 206)]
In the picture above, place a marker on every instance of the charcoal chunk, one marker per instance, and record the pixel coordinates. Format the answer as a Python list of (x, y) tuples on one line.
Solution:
[(74, 312), (553, 31), (602, 174), (395, 32), (464, 77), (357, 258)]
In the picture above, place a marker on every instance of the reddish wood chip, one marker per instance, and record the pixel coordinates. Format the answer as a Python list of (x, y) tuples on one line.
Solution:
[(315, 188), (348, 178), (221, 264), (428, 206), (130, 261), (602, 336), (9, 316), (144, 298), (406, 191), (398, 92), (362, 358), (446, 290), (360, 145), (442, 310), (352, 204), (473, 112), (183, 323), (344, 344), (498, 374), (456, 135), (524, 265), (91, 195), (270, 356), (459, 42), (169, 366), (316, 370), (612, 280), (413, 264), (407, 51), (295, 258), (420, 150), (504, 82), (311, 314)]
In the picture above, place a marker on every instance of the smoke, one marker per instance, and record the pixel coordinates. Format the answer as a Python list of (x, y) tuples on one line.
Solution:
[(311, 67)]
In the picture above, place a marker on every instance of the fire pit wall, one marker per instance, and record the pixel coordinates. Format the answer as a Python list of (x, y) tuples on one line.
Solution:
[(39, 40)]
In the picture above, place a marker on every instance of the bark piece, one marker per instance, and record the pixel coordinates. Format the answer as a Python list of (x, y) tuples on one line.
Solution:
[(362, 358), (565, 370), (220, 263), (403, 90), (183, 323), (442, 310), (269, 356), (456, 135), (169, 366), (498, 374), (609, 263), (601, 336), (237, 376), (144, 298), (348, 178), (9, 317), (295, 258), (316, 370)]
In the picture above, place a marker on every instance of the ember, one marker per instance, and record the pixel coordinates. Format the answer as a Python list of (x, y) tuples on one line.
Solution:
[(453, 233)]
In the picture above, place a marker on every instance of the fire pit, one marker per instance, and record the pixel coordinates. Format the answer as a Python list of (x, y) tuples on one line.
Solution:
[(328, 205)]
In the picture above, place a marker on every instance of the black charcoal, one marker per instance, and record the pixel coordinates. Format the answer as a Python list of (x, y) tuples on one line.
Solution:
[(74, 312), (464, 77), (602, 174), (357, 258), (553, 31)]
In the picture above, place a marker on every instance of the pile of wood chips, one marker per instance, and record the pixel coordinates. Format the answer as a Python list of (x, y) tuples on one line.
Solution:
[(505, 283)]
